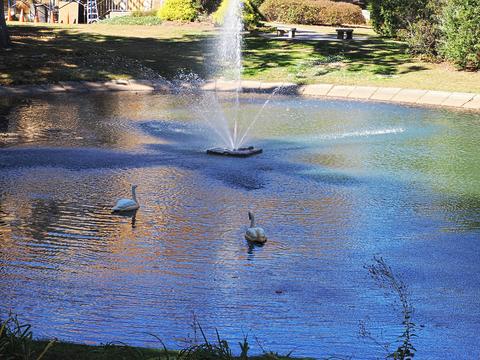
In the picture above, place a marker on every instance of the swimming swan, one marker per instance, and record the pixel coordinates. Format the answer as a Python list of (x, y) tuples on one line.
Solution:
[(255, 234), (124, 205)]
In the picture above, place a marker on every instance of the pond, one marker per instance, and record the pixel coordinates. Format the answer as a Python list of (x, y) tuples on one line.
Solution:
[(338, 183)]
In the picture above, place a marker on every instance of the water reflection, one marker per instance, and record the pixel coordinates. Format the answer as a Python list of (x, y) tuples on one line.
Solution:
[(329, 201), (132, 215)]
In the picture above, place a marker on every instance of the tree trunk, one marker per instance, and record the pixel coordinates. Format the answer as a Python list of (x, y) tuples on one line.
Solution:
[(4, 37)]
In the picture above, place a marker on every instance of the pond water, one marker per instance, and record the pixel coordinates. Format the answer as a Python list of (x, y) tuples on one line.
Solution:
[(338, 183)]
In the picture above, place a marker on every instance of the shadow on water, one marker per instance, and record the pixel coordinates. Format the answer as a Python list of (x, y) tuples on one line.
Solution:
[(180, 148), (334, 185)]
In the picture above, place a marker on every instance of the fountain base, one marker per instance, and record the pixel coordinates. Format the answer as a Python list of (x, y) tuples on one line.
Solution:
[(240, 152)]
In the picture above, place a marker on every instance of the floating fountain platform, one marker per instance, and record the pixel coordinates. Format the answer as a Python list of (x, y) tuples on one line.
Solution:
[(240, 152)]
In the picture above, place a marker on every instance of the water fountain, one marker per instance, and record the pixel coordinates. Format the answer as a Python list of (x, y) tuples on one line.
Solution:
[(229, 55)]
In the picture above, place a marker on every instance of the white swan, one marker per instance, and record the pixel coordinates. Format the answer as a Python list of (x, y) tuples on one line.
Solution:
[(124, 205), (253, 233)]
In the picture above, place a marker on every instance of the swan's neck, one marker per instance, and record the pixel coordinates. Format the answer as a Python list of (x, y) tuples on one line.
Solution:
[(134, 195), (252, 221)]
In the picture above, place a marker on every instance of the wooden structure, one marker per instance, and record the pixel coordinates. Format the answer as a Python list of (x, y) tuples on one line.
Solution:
[(75, 11), (71, 12), (107, 8)]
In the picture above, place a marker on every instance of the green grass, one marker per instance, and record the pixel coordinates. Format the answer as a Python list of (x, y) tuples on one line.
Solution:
[(373, 62), (102, 52)]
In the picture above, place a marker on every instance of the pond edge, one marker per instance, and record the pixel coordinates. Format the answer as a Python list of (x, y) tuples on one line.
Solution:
[(428, 98)]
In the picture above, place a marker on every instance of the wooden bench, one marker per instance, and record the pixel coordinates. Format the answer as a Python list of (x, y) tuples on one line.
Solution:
[(281, 31), (344, 33)]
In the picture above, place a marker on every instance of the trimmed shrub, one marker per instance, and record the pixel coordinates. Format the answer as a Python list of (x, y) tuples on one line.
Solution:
[(180, 10), (312, 12), (461, 28), (251, 15)]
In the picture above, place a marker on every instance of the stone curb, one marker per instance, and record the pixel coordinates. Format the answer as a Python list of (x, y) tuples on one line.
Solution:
[(470, 101)]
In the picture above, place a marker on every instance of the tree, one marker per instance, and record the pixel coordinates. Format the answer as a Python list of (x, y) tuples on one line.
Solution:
[(461, 28), (4, 36)]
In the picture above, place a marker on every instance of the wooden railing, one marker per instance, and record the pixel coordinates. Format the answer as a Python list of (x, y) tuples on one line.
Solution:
[(107, 6)]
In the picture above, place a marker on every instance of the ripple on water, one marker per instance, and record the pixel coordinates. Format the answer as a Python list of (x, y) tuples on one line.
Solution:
[(338, 183)]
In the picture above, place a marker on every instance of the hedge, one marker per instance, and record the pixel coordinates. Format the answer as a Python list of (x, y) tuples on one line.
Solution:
[(181, 10), (312, 12)]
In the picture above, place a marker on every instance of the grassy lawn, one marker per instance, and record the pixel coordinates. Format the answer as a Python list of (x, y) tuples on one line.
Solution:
[(103, 51)]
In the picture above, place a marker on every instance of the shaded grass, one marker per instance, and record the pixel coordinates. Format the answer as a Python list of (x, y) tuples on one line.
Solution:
[(16, 342), (48, 54), (71, 351), (102, 52)]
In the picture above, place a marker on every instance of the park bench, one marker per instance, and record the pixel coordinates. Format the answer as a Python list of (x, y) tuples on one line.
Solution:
[(281, 31), (344, 33)]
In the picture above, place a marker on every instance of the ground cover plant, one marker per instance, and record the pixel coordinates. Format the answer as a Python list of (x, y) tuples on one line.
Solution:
[(149, 18)]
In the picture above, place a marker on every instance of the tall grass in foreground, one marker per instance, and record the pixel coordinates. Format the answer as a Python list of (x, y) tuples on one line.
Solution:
[(219, 350), (385, 278), (16, 341)]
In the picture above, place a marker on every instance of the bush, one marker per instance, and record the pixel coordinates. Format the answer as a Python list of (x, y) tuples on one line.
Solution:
[(180, 10), (461, 29), (139, 13), (209, 6), (422, 39), (390, 16), (251, 15), (312, 12)]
